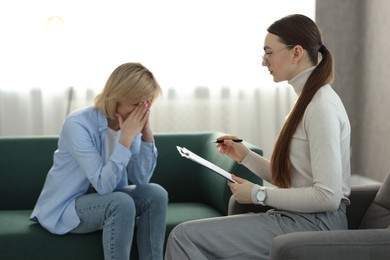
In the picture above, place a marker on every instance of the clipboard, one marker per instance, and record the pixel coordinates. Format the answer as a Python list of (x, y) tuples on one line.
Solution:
[(184, 152)]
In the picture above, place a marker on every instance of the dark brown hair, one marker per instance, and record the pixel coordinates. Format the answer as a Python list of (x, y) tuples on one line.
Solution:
[(298, 30)]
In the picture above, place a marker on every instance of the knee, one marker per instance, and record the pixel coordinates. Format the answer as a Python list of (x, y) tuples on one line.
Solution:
[(178, 235), (156, 193), (123, 204), (177, 231), (183, 229)]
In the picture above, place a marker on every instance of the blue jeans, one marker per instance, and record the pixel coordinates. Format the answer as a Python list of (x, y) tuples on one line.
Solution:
[(116, 214)]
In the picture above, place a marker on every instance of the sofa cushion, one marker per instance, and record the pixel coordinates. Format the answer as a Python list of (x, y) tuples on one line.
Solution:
[(378, 213), (184, 211), (20, 237)]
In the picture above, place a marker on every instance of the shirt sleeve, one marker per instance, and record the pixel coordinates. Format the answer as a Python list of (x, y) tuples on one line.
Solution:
[(143, 161), (258, 165)]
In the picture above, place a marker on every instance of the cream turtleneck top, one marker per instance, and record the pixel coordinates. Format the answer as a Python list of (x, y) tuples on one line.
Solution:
[(319, 155)]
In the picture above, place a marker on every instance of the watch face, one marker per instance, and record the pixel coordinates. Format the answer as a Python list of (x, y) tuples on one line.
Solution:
[(260, 196)]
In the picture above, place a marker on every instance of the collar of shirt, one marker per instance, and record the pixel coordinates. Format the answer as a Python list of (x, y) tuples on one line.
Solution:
[(299, 80)]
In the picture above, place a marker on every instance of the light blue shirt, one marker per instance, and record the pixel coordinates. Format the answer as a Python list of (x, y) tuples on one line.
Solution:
[(79, 162)]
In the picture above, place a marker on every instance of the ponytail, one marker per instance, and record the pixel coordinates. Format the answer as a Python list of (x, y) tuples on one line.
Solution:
[(321, 75)]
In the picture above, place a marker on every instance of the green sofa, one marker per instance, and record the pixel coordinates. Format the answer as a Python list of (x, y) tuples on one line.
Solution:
[(194, 192)]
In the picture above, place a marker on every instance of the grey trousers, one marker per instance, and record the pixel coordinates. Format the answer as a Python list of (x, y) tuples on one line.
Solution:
[(245, 236)]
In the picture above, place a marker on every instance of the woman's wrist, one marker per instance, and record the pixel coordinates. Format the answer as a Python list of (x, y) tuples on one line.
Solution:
[(148, 139)]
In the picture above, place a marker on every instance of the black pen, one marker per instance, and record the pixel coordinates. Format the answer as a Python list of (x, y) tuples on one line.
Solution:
[(221, 141)]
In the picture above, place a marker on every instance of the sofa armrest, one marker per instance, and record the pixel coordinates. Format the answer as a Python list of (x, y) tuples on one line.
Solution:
[(214, 188), (237, 208), (361, 197), (187, 181), (340, 244)]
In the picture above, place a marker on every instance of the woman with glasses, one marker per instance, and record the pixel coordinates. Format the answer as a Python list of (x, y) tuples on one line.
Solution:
[(101, 150), (309, 167)]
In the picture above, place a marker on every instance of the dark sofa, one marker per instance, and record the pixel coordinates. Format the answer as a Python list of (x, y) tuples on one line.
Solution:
[(194, 192), (367, 237)]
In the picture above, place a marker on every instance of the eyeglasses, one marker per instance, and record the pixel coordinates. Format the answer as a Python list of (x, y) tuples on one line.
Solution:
[(266, 56)]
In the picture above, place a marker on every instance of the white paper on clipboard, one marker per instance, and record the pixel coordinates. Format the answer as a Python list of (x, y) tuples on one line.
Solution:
[(184, 152)]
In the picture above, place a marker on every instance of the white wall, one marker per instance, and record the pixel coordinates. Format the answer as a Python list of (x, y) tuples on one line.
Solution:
[(185, 43)]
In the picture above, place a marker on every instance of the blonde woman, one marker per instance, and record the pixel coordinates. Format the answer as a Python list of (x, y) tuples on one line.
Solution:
[(101, 149)]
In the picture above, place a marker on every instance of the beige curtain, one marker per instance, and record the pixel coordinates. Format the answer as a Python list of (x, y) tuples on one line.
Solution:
[(255, 114), (356, 31)]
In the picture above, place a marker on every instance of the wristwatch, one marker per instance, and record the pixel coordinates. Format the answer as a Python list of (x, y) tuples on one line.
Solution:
[(261, 195)]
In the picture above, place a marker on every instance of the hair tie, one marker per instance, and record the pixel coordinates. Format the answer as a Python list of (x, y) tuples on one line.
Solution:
[(322, 49)]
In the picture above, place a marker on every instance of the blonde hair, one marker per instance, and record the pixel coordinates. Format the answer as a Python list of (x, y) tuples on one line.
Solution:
[(129, 83)]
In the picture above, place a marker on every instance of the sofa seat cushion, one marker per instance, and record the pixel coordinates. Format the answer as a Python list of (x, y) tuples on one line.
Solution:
[(378, 213), (184, 211), (21, 238)]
